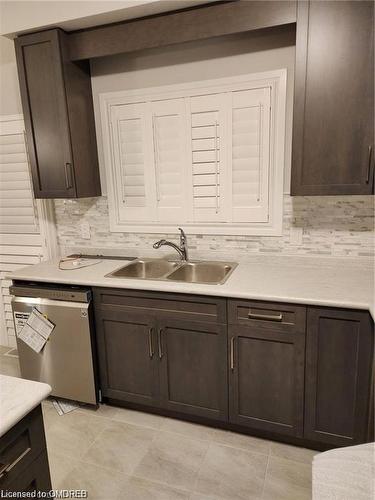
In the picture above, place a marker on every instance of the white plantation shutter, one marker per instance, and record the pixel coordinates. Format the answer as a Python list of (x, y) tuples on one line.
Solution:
[(17, 210), (132, 156), (208, 156), (250, 155), (21, 243), (170, 158)]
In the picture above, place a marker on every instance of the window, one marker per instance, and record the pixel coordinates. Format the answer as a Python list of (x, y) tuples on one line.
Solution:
[(207, 155)]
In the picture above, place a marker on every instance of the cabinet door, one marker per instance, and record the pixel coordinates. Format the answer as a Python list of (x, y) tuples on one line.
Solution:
[(266, 379), (333, 126), (339, 354), (45, 112), (128, 362), (193, 368)]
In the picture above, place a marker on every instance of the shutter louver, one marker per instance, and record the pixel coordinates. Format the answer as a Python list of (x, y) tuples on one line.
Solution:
[(170, 156), (132, 163), (131, 155), (20, 241), (208, 157), (250, 155), (17, 210)]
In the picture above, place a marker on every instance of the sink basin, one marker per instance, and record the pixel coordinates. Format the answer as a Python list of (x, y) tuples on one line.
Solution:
[(206, 272), (145, 269), (203, 272)]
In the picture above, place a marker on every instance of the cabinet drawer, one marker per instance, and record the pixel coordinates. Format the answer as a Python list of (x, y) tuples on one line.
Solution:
[(35, 477), (178, 306), (21, 445), (269, 315)]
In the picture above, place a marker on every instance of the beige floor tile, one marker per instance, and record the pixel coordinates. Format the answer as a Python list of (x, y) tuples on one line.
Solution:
[(102, 410), (73, 433), (289, 452), (173, 459), (242, 441), (231, 473), (50, 416), (200, 496), (194, 431), (60, 466), (47, 403), (120, 447), (101, 484), (287, 479), (4, 349), (140, 489), (274, 491), (140, 418)]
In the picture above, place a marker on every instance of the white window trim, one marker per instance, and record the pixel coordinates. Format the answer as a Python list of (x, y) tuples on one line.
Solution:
[(277, 79)]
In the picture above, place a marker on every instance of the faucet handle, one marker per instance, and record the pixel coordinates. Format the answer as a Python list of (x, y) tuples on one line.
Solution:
[(182, 235), (183, 243)]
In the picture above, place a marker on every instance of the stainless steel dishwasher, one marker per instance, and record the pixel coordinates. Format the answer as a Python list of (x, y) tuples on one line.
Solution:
[(67, 361)]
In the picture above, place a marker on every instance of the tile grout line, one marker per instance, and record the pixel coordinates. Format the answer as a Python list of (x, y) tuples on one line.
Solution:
[(265, 474)]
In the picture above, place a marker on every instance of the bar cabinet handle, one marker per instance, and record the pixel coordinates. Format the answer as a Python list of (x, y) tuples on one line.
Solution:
[(150, 348), (160, 348), (68, 175), (5, 468), (369, 164), (232, 353), (268, 317)]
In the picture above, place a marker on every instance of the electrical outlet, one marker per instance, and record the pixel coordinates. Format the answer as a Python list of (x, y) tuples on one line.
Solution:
[(295, 235), (85, 230)]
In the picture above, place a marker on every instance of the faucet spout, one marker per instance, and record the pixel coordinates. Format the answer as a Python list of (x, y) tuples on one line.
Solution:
[(159, 243), (181, 250)]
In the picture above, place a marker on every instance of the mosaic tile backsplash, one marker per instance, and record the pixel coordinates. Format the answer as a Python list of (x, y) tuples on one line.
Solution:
[(336, 226)]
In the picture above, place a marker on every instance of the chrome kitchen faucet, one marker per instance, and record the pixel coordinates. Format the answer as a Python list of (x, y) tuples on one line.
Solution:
[(181, 249)]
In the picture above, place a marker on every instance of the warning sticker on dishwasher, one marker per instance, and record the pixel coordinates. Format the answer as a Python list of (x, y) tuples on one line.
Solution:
[(36, 330), (20, 320)]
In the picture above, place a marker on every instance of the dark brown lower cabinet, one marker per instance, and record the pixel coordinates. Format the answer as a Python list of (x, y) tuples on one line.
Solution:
[(127, 360), (266, 375), (23, 456), (193, 368), (152, 356), (34, 478), (339, 357), (261, 370)]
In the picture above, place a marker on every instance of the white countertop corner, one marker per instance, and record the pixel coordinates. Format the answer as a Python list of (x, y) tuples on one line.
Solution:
[(17, 398)]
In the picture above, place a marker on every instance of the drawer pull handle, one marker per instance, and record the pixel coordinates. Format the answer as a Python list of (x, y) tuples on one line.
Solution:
[(68, 175), (160, 347), (5, 468), (232, 353), (268, 317), (150, 348)]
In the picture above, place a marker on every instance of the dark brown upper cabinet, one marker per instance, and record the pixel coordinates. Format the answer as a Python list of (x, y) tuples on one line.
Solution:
[(339, 358), (59, 118), (333, 128)]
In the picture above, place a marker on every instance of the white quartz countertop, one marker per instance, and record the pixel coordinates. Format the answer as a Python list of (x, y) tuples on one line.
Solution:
[(17, 398), (320, 281)]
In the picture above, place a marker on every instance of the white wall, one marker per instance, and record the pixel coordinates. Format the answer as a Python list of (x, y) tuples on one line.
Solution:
[(213, 58), (10, 100), (18, 16)]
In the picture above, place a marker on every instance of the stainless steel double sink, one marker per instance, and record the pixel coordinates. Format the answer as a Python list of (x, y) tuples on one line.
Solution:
[(205, 272)]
